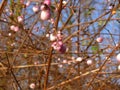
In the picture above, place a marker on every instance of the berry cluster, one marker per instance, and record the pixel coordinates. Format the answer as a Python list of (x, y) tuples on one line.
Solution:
[(45, 10), (57, 43)]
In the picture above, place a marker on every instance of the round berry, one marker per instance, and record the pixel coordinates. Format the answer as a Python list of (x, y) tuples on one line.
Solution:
[(35, 9), (45, 14), (20, 19), (99, 39), (32, 86), (118, 57), (79, 59), (89, 62)]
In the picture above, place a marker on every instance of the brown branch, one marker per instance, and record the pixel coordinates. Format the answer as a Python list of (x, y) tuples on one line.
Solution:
[(73, 79), (48, 69), (9, 68), (2, 6), (101, 67), (58, 16)]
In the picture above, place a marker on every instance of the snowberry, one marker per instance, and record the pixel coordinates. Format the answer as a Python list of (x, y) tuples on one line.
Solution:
[(118, 67), (47, 2), (60, 65), (35, 9), (89, 62), (16, 28), (47, 35), (52, 20), (64, 2), (64, 61), (79, 59), (20, 19), (99, 39), (32, 86), (118, 57), (45, 14), (117, 45), (27, 3), (43, 7), (52, 37), (10, 13), (59, 59), (72, 58), (9, 34), (36, 62), (56, 46), (12, 27)]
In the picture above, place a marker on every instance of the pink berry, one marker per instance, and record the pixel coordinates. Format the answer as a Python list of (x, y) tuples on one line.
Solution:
[(36, 62), (79, 59), (60, 43), (48, 2), (63, 49), (89, 62), (52, 37), (35, 9), (32, 85), (27, 3), (60, 65), (16, 28), (52, 20), (45, 14), (10, 13), (57, 48), (43, 7), (118, 57), (47, 35), (64, 61), (20, 19), (12, 27), (64, 2), (99, 39), (9, 34)]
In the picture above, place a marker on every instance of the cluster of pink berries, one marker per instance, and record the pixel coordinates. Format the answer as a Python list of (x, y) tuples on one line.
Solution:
[(57, 43), (45, 10), (14, 28)]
